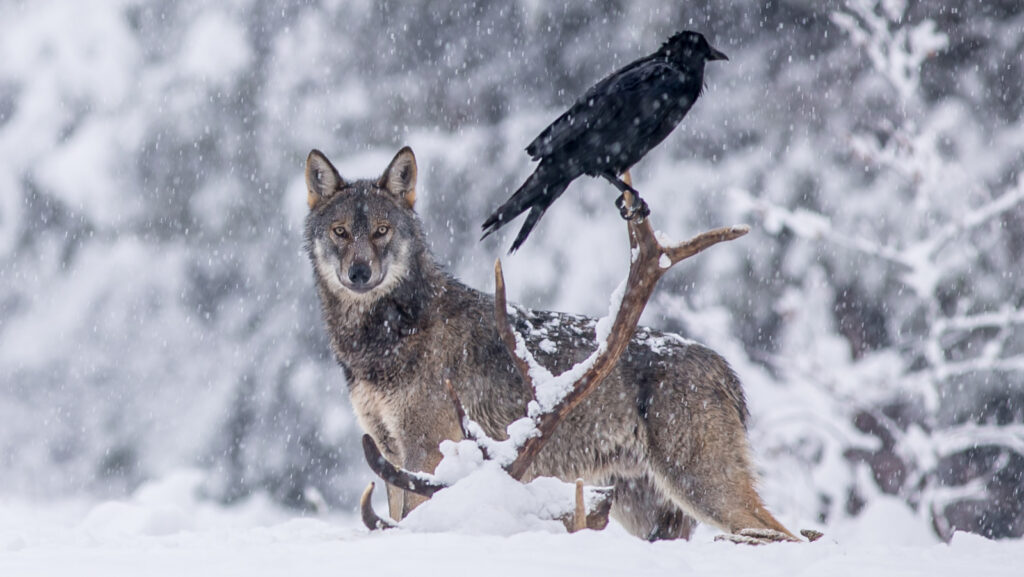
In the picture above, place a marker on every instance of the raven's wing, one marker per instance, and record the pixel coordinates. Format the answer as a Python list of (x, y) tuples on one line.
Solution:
[(600, 105)]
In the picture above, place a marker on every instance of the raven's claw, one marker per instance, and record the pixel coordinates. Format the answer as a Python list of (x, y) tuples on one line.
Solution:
[(638, 209)]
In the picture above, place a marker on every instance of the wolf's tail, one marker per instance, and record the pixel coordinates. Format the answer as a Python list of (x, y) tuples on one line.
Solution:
[(536, 194)]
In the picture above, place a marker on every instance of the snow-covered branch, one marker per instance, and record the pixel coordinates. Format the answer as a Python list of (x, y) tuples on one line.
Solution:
[(955, 369), (972, 435), (996, 319), (922, 269), (927, 249), (895, 49), (812, 226)]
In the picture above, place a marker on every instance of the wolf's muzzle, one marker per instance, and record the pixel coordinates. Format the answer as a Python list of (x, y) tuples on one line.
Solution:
[(359, 273)]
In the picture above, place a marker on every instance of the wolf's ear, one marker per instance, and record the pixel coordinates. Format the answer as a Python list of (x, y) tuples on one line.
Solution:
[(400, 177), (322, 179)]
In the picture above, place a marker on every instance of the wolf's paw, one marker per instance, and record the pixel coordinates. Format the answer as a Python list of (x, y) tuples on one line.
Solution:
[(757, 537)]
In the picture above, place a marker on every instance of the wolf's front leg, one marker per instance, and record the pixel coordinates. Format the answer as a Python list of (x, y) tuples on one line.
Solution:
[(425, 418), (396, 502), (422, 434), (401, 502)]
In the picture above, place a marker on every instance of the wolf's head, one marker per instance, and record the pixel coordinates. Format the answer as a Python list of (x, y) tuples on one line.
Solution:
[(362, 236)]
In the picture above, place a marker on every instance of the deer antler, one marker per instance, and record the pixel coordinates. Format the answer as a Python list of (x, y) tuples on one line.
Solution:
[(650, 261), (646, 268)]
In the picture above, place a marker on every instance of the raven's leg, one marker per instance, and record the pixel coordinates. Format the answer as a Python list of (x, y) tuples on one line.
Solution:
[(619, 183), (637, 207)]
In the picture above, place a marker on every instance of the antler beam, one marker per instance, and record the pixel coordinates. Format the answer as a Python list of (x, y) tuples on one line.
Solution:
[(394, 475)]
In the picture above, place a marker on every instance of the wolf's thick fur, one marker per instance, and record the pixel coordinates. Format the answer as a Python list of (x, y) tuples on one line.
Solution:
[(667, 427)]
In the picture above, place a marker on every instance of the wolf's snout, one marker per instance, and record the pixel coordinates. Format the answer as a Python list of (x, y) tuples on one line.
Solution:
[(359, 273)]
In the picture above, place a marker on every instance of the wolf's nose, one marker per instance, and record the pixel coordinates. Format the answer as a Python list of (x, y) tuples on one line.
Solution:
[(359, 273)]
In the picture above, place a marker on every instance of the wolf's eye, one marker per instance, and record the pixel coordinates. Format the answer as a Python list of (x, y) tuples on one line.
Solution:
[(340, 232), (381, 231)]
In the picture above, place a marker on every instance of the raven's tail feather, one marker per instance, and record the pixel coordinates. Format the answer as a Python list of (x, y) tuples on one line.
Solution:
[(520, 201), (536, 195), (524, 231)]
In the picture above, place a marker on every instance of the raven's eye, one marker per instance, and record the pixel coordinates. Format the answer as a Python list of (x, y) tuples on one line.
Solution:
[(340, 232), (381, 231)]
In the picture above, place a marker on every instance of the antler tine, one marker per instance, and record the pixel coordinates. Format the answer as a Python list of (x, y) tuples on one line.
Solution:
[(589, 512), (642, 234), (372, 521), (685, 250), (460, 414), (504, 326), (579, 514), (396, 476)]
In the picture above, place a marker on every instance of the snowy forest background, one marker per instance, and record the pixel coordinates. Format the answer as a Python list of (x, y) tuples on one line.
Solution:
[(157, 309)]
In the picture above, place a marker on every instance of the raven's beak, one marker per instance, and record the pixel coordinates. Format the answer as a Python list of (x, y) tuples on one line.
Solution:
[(716, 55)]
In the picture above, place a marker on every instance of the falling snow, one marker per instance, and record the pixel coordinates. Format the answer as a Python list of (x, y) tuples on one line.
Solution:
[(161, 348)]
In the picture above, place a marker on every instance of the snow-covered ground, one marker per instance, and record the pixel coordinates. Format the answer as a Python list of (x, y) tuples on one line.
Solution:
[(165, 528)]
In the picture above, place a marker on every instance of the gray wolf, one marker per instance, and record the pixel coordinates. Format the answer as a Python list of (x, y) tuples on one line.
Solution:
[(610, 128), (667, 427)]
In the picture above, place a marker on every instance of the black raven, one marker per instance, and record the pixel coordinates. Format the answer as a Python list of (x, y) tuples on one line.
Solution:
[(611, 127)]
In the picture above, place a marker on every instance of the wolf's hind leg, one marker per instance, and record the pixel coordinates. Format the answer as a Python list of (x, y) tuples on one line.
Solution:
[(707, 471), (646, 512), (718, 488)]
